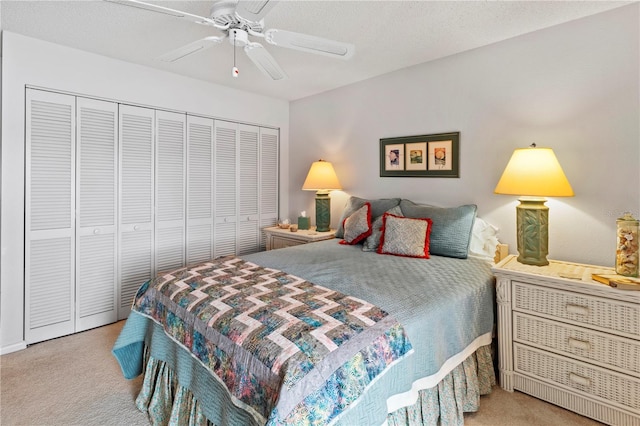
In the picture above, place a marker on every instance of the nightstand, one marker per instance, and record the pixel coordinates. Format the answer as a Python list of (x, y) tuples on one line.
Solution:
[(280, 238), (569, 340)]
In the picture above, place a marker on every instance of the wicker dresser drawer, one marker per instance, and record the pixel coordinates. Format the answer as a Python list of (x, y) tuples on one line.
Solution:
[(610, 387), (608, 315), (618, 353)]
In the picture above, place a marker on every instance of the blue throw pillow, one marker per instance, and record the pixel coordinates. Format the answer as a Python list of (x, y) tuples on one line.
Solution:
[(378, 208), (373, 241), (451, 229)]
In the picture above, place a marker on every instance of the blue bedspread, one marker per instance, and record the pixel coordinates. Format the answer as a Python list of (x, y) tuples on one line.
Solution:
[(444, 305)]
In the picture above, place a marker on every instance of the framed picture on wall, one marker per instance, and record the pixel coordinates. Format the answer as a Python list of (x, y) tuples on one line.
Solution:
[(417, 156), (440, 155), (434, 155), (393, 157)]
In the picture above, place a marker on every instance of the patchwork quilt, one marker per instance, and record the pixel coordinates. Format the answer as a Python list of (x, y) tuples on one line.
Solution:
[(287, 350)]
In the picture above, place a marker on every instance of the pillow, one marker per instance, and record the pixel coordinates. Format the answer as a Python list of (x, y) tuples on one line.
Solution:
[(357, 227), (452, 227), (484, 240), (373, 241), (405, 236), (378, 207)]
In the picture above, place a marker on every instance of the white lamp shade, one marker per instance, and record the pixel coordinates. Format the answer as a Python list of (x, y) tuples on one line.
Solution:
[(534, 172), (321, 177)]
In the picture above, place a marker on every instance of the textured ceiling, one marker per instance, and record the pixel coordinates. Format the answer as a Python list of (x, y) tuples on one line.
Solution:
[(388, 35)]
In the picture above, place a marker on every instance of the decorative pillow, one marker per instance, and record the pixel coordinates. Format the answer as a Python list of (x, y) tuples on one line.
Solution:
[(373, 241), (357, 227), (405, 236), (378, 207), (452, 227), (484, 239)]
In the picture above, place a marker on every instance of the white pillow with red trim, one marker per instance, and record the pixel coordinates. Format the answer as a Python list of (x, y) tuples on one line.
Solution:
[(403, 236), (357, 226)]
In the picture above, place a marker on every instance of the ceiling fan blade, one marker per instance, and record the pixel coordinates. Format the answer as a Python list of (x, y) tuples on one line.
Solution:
[(166, 11), (264, 61), (191, 48), (309, 43), (254, 10)]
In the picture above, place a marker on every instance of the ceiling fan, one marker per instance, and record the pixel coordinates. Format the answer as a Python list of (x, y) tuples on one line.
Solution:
[(238, 20)]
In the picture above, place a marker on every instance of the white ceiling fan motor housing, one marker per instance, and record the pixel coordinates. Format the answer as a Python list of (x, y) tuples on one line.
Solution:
[(224, 12), (238, 37)]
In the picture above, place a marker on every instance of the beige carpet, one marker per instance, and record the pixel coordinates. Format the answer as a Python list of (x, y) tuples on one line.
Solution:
[(75, 380)]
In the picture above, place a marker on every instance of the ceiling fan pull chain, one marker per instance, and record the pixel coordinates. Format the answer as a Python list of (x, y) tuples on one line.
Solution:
[(234, 70)]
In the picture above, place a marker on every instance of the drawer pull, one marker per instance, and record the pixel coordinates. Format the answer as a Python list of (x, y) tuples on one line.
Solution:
[(579, 344), (577, 309), (579, 379)]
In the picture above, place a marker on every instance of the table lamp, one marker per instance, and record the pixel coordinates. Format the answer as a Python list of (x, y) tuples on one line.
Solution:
[(322, 178), (533, 173)]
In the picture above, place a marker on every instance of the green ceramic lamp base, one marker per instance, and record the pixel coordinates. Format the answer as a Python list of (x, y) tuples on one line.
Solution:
[(532, 218), (323, 211)]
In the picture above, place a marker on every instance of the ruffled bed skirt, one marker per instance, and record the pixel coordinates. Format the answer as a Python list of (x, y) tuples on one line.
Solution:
[(458, 393), (166, 402)]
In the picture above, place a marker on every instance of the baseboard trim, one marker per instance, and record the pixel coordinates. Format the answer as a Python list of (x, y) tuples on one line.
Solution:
[(13, 348)]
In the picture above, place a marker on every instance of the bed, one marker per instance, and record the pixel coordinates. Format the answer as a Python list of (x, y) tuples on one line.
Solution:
[(334, 332)]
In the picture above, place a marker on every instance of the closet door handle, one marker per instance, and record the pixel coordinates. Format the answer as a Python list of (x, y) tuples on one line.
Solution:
[(577, 309), (136, 227), (579, 379), (579, 344), (96, 231)]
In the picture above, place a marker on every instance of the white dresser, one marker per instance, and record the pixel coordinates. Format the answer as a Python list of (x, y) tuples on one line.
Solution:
[(569, 340)]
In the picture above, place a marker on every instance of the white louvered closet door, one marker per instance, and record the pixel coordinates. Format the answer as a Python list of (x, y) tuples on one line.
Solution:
[(269, 172), (96, 213), (225, 194), (248, 189), (49, 210), (170, 190), (136, 202), (199, 189)]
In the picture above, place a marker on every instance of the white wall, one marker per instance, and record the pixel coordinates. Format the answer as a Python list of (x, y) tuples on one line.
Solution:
[(27, 61), (573, 87)]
